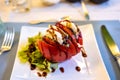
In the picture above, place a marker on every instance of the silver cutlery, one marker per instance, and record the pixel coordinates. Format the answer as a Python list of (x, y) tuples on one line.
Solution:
[(32, 22), (85, 10), (8, 40), (111, 44)]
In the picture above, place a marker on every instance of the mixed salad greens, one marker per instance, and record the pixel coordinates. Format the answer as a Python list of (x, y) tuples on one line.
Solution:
[(31, 54)]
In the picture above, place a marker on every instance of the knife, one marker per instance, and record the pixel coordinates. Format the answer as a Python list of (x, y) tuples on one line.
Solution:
[(111, 44)]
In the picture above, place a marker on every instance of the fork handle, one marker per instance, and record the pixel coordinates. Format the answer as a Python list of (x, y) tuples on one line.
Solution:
[(118, 60), (1, 51)]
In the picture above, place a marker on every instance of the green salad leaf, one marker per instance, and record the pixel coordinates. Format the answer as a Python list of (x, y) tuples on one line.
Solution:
[(30, 53)]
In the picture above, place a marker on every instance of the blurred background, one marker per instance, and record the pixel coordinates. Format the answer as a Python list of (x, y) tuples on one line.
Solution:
[(10, 10)]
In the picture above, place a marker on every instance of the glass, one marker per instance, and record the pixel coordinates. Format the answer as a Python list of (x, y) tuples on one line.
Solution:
[(21, 5), (50, 2)]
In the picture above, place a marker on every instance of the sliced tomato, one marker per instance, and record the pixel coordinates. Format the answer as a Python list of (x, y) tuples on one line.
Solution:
[(56, 54), (80, 40), (63, 56), (70, 51), (54, 47), (68, 31), (39, 46), (49, 41), (71, 48), (51, 52), (43, 46)]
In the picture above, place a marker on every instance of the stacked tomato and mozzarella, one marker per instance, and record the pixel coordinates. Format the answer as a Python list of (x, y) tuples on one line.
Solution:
[(61, 41)]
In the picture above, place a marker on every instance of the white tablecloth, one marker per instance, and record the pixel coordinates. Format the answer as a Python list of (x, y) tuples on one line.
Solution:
[(106, 11)]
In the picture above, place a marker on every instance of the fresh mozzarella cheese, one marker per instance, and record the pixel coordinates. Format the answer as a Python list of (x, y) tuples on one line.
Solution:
[(73, 27), (79, 45), (54, 34), (70, 25), (59, 37), (47, 33)]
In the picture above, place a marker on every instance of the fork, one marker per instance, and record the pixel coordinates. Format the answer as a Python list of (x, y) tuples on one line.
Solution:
[(85, 10), (8, 40)]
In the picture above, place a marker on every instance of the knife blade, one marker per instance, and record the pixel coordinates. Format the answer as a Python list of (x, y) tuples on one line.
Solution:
[(111, 44)]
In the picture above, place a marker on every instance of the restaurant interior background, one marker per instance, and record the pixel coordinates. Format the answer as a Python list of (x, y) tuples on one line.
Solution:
[(108, 10)]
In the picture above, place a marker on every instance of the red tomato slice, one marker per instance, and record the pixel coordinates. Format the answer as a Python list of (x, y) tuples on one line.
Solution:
[(70, 51), (68, 31), (49, 41), (51, 52), (39, 46), (62, 55), (42, 45), (80, 40), (57, 55)]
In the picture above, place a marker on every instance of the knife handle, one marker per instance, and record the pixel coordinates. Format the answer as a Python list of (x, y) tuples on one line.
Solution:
[(118, 61)]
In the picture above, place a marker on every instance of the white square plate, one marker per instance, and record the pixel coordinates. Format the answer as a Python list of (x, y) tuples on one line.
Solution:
[(96, 71)]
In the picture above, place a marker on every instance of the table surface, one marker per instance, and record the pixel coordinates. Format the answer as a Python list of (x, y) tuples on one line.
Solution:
[(7, 59)]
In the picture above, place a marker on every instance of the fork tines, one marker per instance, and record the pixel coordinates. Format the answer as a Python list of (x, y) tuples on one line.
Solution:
[(9, 37)]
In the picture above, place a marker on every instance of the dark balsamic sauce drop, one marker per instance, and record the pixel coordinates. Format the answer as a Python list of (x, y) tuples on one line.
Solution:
[(61, 69), (39, 74), (32, 67), (53, 69), (78, 68), (44, 74)]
